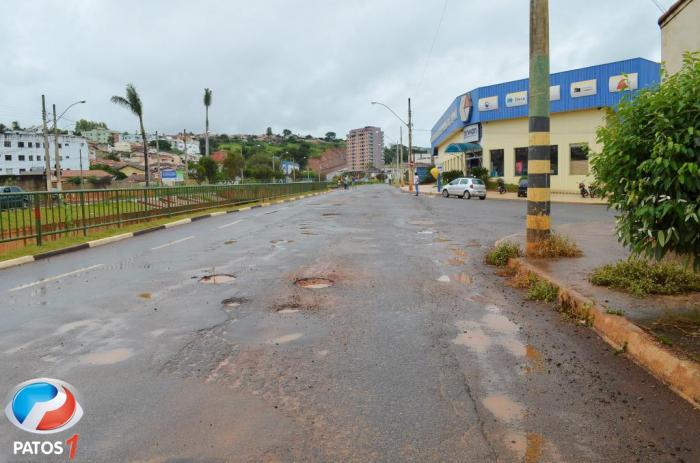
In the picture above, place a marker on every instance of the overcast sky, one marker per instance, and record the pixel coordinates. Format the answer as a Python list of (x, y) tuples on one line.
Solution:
[(311, 66)]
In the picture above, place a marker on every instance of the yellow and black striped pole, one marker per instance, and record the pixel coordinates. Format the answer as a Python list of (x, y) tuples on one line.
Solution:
[(538, 161)]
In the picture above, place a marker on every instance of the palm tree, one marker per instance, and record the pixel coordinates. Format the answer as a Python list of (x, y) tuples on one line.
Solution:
[(133, 103), (207, 103)]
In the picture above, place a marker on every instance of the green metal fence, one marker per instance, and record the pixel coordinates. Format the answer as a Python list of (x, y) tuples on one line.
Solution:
[(33, 216)]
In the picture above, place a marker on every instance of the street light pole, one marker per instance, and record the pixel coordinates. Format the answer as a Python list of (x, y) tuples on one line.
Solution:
[(411, 161), (47, 156), (538, 153), (59, 183), (160, 172)]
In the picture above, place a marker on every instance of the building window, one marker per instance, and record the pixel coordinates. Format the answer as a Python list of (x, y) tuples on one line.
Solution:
[(8, 144), (38, 158), (22, 170), (31, 157), (59, 145), (29, 145), (496, 163), (521, 161), (20, 157), (8, 157), (579, 159), (554, 159), (20, 144)]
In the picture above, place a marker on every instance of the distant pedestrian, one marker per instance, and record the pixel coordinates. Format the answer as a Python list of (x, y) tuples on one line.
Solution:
[(416, 181)]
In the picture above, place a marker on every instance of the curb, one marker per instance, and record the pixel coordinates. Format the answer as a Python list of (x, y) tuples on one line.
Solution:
[(490, 194), (113, 239), (681, 375)]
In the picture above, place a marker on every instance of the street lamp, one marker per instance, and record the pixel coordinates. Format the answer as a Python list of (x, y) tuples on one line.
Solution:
[(408, 124), (59, 184)]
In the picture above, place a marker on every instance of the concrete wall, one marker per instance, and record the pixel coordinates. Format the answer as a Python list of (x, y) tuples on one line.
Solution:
[(569, 128), (680, 32)]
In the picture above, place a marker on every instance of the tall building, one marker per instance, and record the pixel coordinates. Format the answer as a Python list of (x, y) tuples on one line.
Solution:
[(679, 33), (23, 152), (365, 148)]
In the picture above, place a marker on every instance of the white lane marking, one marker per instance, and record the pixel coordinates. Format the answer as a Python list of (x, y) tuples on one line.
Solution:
[(57, 277), (230, 224), (171, 243)]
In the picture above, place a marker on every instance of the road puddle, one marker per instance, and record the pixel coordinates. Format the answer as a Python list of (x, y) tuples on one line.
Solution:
[(473, 338), (107, 357), (287, 338), (288, 311), (444, 279), (535, 362), (503, 408), (455, 261), (145, 295), (463, 278), (426, 232), (281, 241)]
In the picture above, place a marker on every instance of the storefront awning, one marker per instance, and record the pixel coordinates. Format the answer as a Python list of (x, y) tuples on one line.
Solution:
[(462, 148)]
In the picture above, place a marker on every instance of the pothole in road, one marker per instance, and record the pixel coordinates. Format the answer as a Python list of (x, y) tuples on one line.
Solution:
[(281, 241), (229, 241), (234, 301), (329, 214), (217, 279), (314, 283)]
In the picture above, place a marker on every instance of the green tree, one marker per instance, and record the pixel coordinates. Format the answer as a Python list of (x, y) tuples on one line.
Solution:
[(207, 103), (649, 167), (3, 128), (163, 145), (15, 126), (286, 133), (233, 164), (133, 103), (268, 132), (209, 168), (330, 136), (83, 125)]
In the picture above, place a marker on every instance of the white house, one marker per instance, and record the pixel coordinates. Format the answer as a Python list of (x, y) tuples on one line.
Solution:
[(22, 152)]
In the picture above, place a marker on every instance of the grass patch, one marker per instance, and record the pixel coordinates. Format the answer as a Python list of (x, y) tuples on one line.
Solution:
[(499, 255), (556, 245), (542, 290), (641, 277), (618, 312), (664, 340)]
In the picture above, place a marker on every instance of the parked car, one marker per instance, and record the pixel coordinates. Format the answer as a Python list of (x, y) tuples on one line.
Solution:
[(13, 197), (522, 188), (465, 187)]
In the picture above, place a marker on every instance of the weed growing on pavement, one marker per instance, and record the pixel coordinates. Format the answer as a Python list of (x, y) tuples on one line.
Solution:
[(556, 245), (618, 312), (580, 313), (642, 277), (499, 255), (542, 290), (664, 340)]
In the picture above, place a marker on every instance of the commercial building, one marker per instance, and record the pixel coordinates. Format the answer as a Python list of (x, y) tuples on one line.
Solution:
[(680, 32), (24, 152), (488, 126), (365, 148)]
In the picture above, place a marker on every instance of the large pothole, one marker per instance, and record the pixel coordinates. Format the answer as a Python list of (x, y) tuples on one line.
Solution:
[(314, 283), (217, 278), (234, 301)]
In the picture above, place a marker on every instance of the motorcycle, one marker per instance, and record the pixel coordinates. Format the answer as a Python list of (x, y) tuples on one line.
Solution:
[(501, 186), (583, 190)]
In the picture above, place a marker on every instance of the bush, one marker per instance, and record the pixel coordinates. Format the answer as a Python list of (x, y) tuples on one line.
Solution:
[(649, 170), (500, 254), (641, 277), (542, 290), (556, 245), (493, 185), (480, 172), (450, 175)]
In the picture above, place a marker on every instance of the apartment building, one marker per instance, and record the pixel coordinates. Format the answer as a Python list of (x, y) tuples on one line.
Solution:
[(24, 152), (365, 148)]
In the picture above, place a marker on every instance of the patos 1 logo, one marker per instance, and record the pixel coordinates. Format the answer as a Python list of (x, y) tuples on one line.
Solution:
[(44, 406)]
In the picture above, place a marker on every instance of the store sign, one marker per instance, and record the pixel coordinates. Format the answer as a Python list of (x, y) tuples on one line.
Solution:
[(584, 88), (488, 104), (465, 107), (555, 93), (472, 133), (516, 99), (623, 82), (444, 124)]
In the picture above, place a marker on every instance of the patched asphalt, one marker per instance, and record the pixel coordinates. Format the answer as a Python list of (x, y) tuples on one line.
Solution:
[(361, 325)]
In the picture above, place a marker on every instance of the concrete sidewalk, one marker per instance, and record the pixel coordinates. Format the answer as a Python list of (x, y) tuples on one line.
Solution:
[(567, 198)]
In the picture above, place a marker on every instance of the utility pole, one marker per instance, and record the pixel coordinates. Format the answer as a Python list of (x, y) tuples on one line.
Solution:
[(58, 154), (400, 154), (186, 176), (47, 156), (160, 172), (538, 153), (411, 163), (80, 152)]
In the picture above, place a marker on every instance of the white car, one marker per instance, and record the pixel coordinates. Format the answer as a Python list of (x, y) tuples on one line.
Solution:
[(465, 187)]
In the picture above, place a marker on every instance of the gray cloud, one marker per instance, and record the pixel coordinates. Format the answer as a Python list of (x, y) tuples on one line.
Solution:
[(307, 65)]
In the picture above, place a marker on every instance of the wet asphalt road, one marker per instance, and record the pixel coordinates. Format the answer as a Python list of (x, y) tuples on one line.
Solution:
[(418, 352)]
